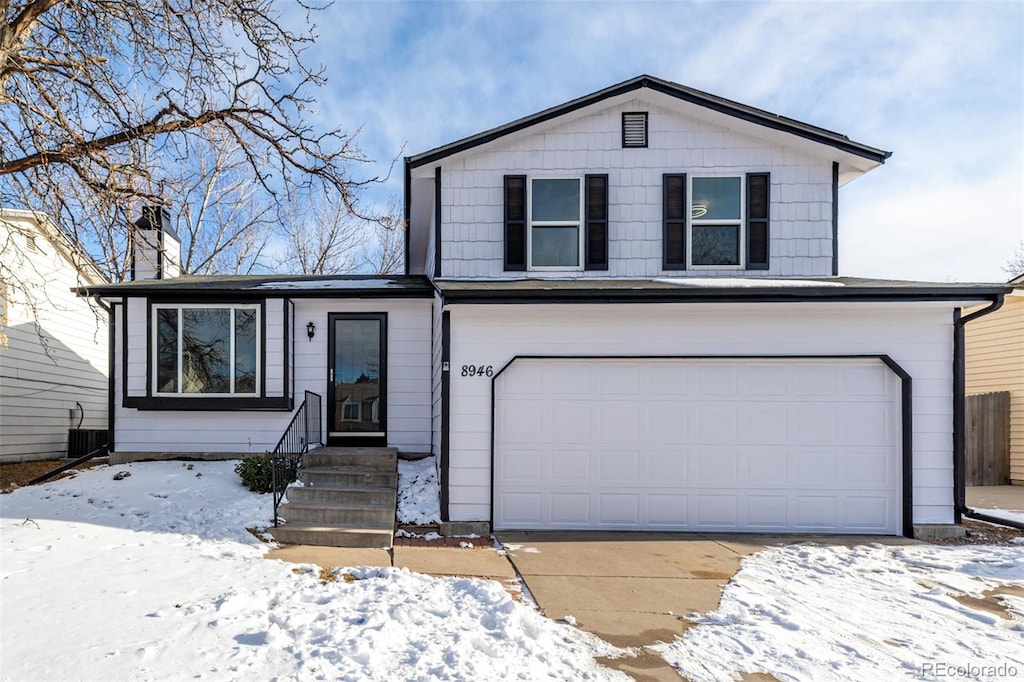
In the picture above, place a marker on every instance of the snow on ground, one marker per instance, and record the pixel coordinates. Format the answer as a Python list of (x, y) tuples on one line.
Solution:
[(155, 577), (418, 501), (1005, 514), (808, 612)]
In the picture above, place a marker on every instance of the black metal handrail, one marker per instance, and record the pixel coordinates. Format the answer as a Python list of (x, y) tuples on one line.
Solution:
[(304, 429)]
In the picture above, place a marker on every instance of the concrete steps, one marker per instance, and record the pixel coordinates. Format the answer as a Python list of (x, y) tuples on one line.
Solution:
[(347, 498)]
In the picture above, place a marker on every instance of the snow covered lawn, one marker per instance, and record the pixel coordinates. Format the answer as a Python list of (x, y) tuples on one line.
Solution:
[(155, 577), (808, 612)]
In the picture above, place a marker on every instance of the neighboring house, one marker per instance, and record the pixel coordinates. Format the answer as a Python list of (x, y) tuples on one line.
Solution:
[(623, 312), (995, 362), (53, 344)]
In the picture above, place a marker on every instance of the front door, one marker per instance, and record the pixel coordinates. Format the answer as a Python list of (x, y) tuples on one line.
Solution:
[(356, 379)]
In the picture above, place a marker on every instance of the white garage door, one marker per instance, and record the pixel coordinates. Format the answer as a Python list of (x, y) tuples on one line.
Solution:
[(710, 445)]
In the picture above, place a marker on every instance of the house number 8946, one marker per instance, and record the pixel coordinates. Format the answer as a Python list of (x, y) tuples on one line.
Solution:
[(478, 370)]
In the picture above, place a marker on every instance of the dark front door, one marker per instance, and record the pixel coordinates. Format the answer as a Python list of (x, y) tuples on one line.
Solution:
[(356, 379)]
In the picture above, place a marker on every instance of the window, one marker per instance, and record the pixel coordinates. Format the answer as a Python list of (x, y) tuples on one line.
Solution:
[(556, 223), (206, 350), (716, 222), (351, 410), (555, 210)]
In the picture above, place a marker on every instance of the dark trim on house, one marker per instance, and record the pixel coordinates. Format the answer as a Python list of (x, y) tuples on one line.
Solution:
[(124, 351), (646, 118), (249, 287), (758, 219), (835, 218), (358, 439), (499, 296), (111, 379), (159, 254), (286, 320), (673, 221), (208, 404), (149, 349), (514, 218), (595, 215), (437, 222), (907, 441), (907, 444), (960, 405), (407, 209), (263, 347), (446, 420), (680, 92)]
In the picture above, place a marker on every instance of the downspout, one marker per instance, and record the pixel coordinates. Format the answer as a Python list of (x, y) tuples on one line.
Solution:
[(961, 509)]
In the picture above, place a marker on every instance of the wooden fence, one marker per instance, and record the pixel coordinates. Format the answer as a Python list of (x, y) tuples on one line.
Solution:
[(987, 420)]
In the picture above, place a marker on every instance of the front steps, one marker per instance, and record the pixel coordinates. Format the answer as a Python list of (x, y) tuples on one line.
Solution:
[(346, 498)]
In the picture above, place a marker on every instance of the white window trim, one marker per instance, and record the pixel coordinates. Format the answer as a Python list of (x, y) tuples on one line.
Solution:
[(554, 223), (741, 223), (349, 402), (155, 349)]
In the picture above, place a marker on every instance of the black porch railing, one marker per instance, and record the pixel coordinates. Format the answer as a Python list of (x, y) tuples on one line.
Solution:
[(304, 430)]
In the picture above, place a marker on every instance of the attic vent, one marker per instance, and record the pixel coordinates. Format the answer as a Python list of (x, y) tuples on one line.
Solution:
[(634, 129), (30, 242)]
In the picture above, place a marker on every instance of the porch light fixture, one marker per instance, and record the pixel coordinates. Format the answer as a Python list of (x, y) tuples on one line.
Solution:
[(310, 330)]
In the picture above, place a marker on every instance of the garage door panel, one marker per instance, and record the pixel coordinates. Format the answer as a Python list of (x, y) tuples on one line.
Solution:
[(667, 510), (770, 446), (571, 465), (571, 508), (618, 509)]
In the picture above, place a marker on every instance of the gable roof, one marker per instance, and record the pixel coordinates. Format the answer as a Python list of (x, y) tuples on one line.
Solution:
[(675, 90), (23, 220)]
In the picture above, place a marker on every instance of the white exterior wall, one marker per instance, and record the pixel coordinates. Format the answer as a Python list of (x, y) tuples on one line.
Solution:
[(472, 193), (56, 349), (408, 382), (917, 336), (408, 362)]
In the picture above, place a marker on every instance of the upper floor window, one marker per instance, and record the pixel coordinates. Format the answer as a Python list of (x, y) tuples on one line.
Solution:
[(554, 240), (716, 222), (206, 350), (556, 223)]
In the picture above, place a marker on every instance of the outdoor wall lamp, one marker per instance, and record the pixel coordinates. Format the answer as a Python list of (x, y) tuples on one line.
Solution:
[(310, 330)]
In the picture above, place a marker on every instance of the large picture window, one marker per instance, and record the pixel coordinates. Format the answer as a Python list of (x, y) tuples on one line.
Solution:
[(206, 350)]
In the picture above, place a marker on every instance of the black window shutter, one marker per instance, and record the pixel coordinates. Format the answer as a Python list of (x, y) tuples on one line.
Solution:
[(515, 222), (674, 221), (758, 185), (596, 238)]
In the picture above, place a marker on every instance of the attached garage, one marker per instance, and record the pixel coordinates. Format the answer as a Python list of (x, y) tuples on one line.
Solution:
[(700, 444)]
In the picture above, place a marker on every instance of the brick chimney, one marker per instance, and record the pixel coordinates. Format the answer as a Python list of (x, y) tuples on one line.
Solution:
[(156, 249)]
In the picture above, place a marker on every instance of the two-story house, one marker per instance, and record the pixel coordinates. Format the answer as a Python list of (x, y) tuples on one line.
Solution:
[(623, 312)]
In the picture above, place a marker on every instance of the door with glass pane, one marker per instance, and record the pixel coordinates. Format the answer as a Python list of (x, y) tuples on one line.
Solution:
[(356, 379)]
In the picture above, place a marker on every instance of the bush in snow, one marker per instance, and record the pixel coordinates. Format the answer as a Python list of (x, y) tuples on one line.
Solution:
[(257, 472)]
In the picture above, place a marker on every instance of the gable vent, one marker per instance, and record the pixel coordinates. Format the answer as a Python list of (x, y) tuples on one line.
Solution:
[(634, 129)]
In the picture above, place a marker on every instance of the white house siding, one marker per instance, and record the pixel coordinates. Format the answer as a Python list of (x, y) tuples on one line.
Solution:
[(55, 356), (471, 194), (408, 358), (244, 432), (917, 336)]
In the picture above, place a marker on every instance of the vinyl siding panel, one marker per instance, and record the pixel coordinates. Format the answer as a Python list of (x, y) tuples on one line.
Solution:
[(994, 357), (800, 194), (55, 357), (242, 432), (917, 336)]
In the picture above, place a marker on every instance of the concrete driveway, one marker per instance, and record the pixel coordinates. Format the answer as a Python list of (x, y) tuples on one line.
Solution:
[(631, 589)]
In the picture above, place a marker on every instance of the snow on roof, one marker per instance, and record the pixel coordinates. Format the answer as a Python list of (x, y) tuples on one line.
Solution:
[(340, 283), (742, 282)]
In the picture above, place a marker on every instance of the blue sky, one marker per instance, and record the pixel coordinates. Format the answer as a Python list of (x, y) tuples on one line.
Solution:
[(941, 85)]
